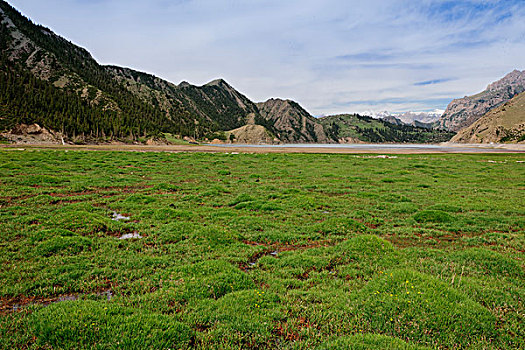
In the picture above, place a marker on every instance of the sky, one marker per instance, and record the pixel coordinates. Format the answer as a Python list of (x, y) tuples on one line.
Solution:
[(331, 56)]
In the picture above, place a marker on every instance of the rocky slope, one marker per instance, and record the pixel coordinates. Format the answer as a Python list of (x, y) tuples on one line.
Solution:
[(291, 123), (465, 111), (392, 120), (32, 134), (505, 123), (252, 134)]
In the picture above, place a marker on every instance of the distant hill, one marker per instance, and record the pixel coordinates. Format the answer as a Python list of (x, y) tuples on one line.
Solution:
[(292, 123), (465, 111), (505, 123), (352, 128)]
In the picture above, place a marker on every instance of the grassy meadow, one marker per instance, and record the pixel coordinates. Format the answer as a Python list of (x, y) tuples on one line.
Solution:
[(261, 251)]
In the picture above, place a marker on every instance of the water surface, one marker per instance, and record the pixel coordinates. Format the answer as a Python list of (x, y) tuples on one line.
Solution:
[(385, 147)]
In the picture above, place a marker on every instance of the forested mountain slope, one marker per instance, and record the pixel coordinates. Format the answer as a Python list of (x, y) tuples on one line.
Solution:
[(350, 128)]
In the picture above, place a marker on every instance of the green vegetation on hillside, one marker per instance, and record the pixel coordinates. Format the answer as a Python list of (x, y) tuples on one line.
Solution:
[(116, 113), (26, 99), (373, 130), (213, 107), (216, 102), (261, 251)]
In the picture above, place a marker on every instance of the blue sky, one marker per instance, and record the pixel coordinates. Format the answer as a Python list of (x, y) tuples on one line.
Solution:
[(332, 56)]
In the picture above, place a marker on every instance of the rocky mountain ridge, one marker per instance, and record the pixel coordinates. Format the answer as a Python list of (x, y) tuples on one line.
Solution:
[(408, 118), (505, 123), (292, 123), (465, 111)]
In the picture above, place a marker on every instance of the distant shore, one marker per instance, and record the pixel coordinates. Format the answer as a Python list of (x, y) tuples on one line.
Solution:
[(287, 148)]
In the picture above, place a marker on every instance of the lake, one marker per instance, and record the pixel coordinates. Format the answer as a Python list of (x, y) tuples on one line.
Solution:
[(382, 147)]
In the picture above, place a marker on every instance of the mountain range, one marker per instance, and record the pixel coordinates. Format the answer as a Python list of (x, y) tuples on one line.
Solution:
[(82, 101), (47, 81), (423, 119), (74, 95)]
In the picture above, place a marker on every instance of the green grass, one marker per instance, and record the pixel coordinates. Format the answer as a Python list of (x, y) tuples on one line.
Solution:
[(261, 251)]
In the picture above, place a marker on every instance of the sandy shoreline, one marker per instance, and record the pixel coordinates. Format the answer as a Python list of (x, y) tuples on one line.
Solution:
[(325, 149)]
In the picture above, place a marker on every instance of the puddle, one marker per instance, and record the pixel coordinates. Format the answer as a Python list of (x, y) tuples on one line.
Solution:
[(119, 217), (44, 302), (134, 235), (252, 261), (67, 298), (108, 294), (383, 156)]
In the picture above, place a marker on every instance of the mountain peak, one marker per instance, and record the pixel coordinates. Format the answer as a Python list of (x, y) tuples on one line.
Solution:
[(515, 77), (218, 82), (291, 122), (280, 100)]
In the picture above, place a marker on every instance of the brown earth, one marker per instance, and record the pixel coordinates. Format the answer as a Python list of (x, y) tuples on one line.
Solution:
[(292, 123), (252, 134)]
